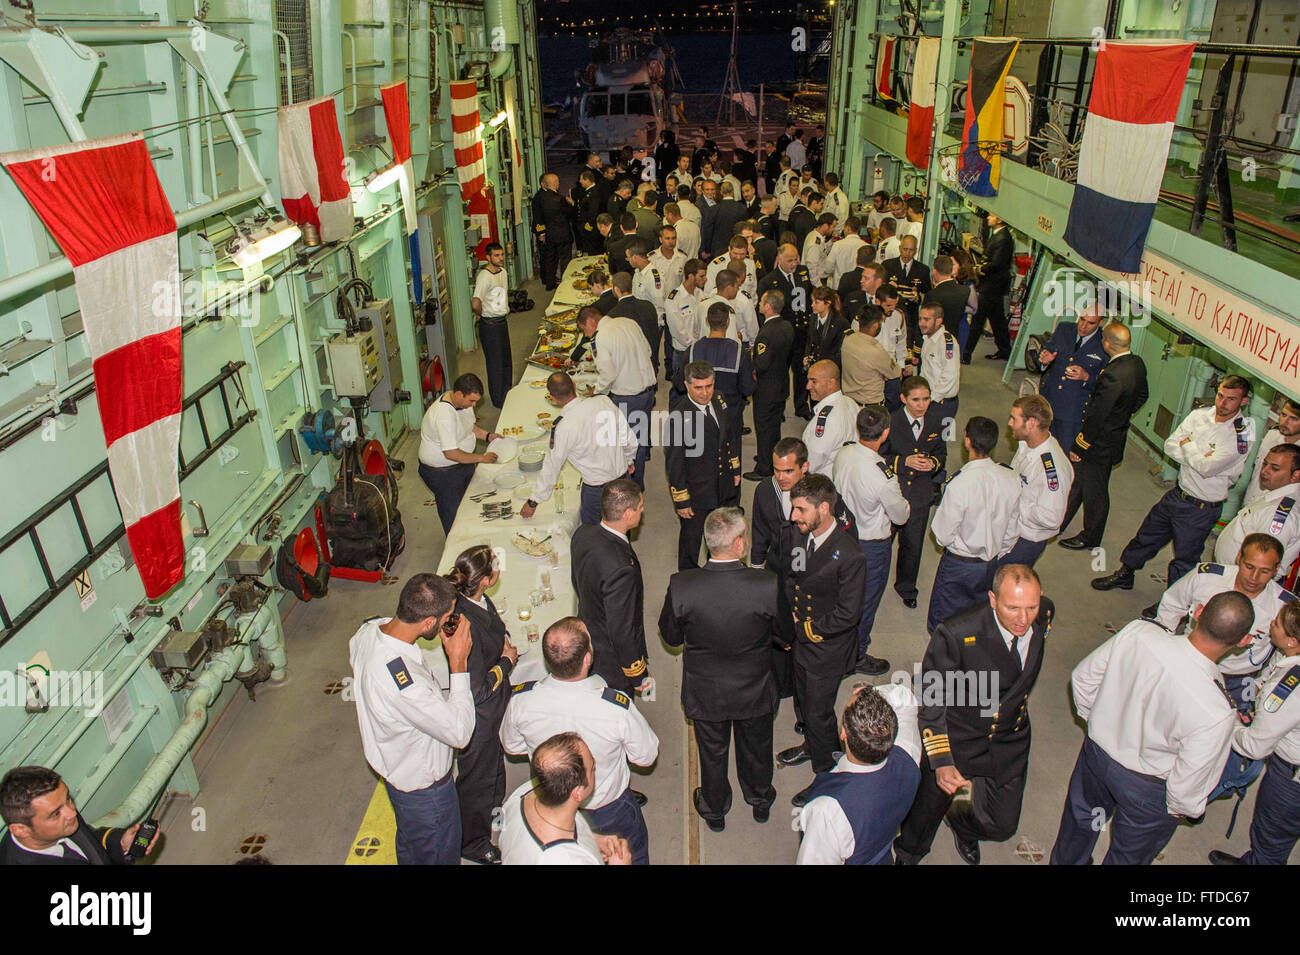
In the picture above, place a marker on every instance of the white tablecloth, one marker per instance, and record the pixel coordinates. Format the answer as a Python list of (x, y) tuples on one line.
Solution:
[(566, 296), (520, 574)]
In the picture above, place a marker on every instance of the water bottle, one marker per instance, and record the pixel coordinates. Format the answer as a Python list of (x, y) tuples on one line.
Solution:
[(559, 498)]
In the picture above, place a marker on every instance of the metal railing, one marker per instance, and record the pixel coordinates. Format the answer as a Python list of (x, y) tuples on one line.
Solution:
[(1059, 104)]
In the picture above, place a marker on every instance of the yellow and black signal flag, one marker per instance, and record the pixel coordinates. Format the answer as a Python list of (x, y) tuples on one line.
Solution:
[(982, 132)]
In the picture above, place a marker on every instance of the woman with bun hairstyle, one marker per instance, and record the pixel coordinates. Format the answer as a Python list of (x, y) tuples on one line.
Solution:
[(481, 780)]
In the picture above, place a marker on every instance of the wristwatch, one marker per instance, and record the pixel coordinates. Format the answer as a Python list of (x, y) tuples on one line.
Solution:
[(531, 503)]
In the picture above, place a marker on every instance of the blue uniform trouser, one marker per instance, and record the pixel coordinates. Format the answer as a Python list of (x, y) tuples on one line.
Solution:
[(622, 817), (589, 512), (1174, 518), (448, 486), (1022, 552), (893, 394), (1101, 790), (643, 403), (1276, 824), (947, 408), (494, 333), (960, 582), (878, 554), (1065, 430), (428, 824)]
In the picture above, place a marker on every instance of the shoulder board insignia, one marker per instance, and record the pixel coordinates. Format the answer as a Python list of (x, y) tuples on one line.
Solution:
[(1286, 596), (375, 617), (722, 402), (524, 687), (617, 697), (1003, 464), (1049, 466), (1283, 511), (1243, 444), (887, 469), (1210, 569), (1273, 702), (720, 260), (401, 676), (821, 420), (952, 477), (673, 293), (802, 270)]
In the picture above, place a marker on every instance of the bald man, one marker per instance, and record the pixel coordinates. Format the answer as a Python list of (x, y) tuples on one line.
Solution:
[(1072, 361), (1120, 391), (551, 227)]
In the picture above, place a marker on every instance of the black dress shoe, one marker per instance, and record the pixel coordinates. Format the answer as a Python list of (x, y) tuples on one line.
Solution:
[(1122, 578), (1150, 612), (969, 851), (762, 813), (639, 797), (964, 361), (489, 856), (871, 666), (800, 798), (909, 603), (717, 825), (1074, 543), (799, 727), (997, 356), (746, 430), (794, 755), (755, 476), (1218, 857)]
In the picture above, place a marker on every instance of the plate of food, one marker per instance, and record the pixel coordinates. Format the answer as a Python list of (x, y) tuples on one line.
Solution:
[(532, 546), (559, 341), (538, 383), (514, 432), (581, 285), (555, 361)]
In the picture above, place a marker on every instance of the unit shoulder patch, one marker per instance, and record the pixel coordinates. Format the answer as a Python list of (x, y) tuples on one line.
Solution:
[(1243, 439), (1273, 702), (1049, 468), (1208, 568), (401, 675), (617, 697)]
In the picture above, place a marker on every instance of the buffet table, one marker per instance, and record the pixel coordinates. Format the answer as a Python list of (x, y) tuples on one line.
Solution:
[(566, 296)]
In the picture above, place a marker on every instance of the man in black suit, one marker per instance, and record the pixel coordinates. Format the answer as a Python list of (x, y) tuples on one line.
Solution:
[(727, 214), (917, 451), (983, 742), (618, 201), (588, 206), (607, 581), (803, 217), (726, 615), (551, 225), (912, 279), (763, 246), (45, 827), (855, 293), (772, 375), (703, 467), (793, 282), (992, 287), (616, 245), (948, 292), (1120, 392), (827, 579)]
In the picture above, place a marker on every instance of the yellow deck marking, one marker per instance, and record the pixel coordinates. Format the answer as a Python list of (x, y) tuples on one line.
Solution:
[(378, 822)]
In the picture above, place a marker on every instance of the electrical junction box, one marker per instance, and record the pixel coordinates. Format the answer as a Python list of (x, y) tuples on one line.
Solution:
[(381, 315), (248, 559), (181, 650), (356, 363)]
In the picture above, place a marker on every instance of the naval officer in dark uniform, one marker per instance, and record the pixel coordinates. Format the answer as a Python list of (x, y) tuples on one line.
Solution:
[(481, 768), (611, 592), (1120, 391), (916, 451), (729, 359), (996, 651), (827, 578), (771, 379), (726, 614), (793, 282), (703, 466), (1072, 361)]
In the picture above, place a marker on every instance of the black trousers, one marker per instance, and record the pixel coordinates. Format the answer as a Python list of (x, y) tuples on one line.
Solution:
[(767, 431), (480, 782), (494, 333), (552, 256), (815, 685), (993, 817), (992, 309), (691, 535), (798, 373), (911, 541), (448, 486), (1090, 488), (753, 762)]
